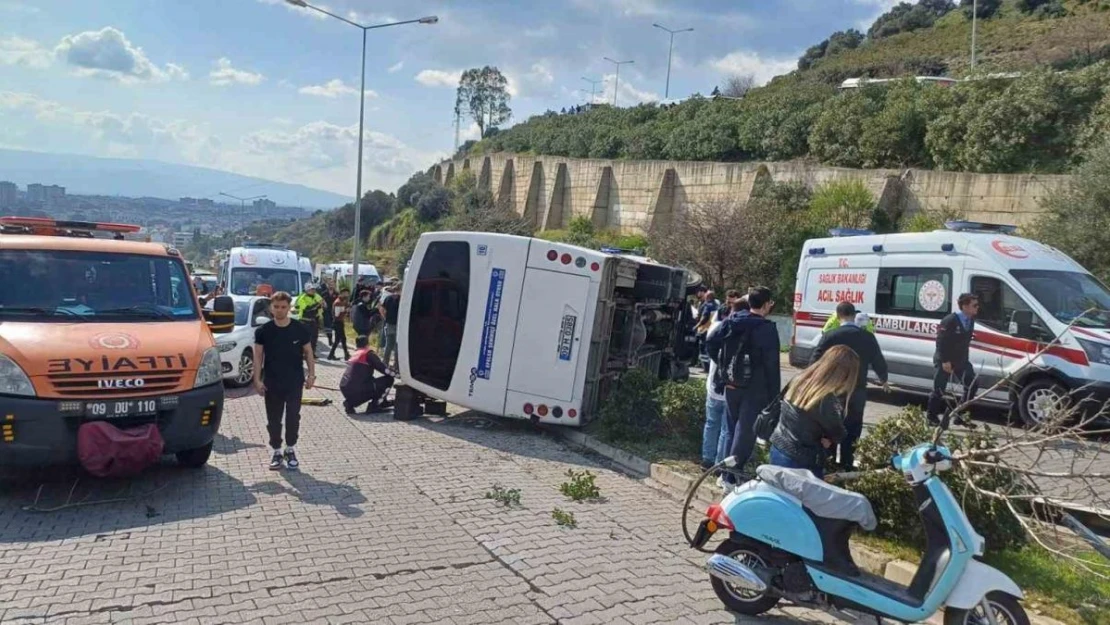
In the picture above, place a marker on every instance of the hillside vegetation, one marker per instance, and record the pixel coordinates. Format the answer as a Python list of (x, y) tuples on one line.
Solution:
[(1040, 121)]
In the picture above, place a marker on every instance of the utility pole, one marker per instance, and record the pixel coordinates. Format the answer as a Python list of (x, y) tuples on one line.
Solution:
[(617, 81), (242, 203), (670, 53), (974, 24)]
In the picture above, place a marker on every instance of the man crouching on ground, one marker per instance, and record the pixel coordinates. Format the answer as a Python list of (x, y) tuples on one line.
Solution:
[(359, 384)]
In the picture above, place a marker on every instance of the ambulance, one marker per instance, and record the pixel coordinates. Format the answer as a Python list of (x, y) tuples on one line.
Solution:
[(1029, 294), (94, 327), (252, 265)]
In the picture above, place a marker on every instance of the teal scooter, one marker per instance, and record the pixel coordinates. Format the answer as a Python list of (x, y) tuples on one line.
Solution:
[(788, 537)]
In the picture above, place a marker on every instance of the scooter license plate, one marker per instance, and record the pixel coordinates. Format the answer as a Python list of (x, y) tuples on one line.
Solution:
[(706, 529)]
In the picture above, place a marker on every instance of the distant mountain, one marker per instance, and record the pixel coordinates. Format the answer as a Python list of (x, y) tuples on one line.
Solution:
[(90, 175)]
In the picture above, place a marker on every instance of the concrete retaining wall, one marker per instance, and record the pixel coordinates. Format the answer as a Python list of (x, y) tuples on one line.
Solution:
[(632, 196)]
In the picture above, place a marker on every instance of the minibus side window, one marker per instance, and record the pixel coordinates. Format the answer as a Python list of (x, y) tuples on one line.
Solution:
[(997, 305), (912, 292)]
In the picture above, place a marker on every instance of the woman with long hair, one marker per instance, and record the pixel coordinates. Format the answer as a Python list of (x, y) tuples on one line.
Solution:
[(811, 417)]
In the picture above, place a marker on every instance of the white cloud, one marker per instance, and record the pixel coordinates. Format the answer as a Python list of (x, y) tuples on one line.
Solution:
[(745, 62), (537, 82), (334, 88), (439, 78), (176, 72), (107, 53), (225, 74), (546, 31), (627, 93), (396, 67), (25, 52), (131, 134), (629, 8), (301, 11)]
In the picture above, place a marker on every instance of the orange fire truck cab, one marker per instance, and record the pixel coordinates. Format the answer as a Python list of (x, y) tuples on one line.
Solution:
[(97, 327)]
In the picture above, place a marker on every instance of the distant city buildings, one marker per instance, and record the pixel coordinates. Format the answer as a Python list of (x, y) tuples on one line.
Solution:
[(265, 204), (199, 202), (45, 193), (9, 194), (181, 239)]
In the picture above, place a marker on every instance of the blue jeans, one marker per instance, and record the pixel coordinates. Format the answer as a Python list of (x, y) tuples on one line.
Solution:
[(716, 422), (779, 459)]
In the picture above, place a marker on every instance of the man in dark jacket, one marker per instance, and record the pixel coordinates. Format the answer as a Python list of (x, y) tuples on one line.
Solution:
[(866, 346), (359, 385), (747, 337), (952, 356), (362, 313)]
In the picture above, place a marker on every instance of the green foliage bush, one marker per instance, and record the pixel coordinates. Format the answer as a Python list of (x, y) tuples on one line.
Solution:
[(581, 231), (843, 203), (893, 501), (642, 409), (1077, 218), (905, 17)]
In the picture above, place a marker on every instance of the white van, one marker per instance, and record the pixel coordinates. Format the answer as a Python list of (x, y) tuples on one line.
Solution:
[(247, 267), (1028, 294), (527, 328), (304, 265), (343, 271)]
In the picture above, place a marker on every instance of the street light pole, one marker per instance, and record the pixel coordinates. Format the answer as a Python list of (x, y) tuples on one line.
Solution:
[(242, 201), (593, 88), (355, 251), (670, 53), (617, 82), (974, 24)]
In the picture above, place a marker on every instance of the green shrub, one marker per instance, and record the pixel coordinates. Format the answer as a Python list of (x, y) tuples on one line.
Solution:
[(843, 203), (893, 501), (629, 412), (927, 221), (681, 409), (581, 486)]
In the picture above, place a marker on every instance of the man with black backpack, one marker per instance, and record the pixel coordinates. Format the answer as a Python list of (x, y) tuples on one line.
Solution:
[(745, 348)]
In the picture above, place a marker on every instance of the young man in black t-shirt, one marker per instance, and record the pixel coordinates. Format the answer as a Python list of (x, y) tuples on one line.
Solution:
[(281, 347)]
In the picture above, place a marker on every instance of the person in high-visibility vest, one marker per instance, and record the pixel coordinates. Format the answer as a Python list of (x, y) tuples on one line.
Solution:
[(834, 323), (309, 307)]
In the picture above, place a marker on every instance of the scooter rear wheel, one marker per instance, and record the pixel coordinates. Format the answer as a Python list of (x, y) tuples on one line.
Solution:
[(1007, 611), (744, 601)]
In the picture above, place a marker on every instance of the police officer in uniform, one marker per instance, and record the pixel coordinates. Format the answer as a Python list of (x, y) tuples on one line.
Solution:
[(952, 356)]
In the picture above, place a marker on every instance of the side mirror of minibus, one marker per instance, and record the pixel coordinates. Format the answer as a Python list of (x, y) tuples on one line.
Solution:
[(221, 319)]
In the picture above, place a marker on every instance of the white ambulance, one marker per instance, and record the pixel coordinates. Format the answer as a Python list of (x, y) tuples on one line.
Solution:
[(1028, 292), (246, 268), (526, 328)]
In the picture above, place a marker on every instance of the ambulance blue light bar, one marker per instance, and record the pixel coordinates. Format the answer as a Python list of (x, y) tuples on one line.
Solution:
[(849, 232), (977, 226)]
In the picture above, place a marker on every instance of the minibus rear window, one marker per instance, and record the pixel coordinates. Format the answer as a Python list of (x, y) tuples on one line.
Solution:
[(437, 315)]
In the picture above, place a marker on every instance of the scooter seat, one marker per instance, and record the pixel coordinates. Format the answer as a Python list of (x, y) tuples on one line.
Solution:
[(820, 497)]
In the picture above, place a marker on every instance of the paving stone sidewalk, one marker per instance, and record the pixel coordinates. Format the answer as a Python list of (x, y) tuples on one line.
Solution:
[(386, 523)]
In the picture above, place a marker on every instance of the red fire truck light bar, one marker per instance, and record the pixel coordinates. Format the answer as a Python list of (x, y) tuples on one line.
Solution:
[(42, 222)]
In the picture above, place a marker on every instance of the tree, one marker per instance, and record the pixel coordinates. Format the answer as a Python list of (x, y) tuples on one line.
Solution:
[(843, 40), (986, 8), (905, 17), (738, 85), (484, 93), (1077, 218), (843, 204)]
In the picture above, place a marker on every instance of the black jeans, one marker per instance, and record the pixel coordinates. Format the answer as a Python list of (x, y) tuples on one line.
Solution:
[(373, 393), (853, 424), (340, 339), (313, 326), (964, 374), (283, 401)]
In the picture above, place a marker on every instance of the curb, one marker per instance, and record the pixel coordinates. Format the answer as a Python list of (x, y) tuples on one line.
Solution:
[(676, 483)]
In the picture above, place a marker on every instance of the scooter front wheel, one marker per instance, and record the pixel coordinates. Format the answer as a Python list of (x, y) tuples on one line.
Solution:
[(740, 600), (1007, 611)]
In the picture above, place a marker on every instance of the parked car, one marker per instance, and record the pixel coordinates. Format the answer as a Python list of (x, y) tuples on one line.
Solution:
[(236, 347)]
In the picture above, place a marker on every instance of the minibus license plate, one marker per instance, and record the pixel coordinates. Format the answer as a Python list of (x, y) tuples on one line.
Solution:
[(121, 408)]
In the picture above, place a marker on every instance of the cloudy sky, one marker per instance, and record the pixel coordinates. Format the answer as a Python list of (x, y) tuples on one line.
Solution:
[(264, 89)]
